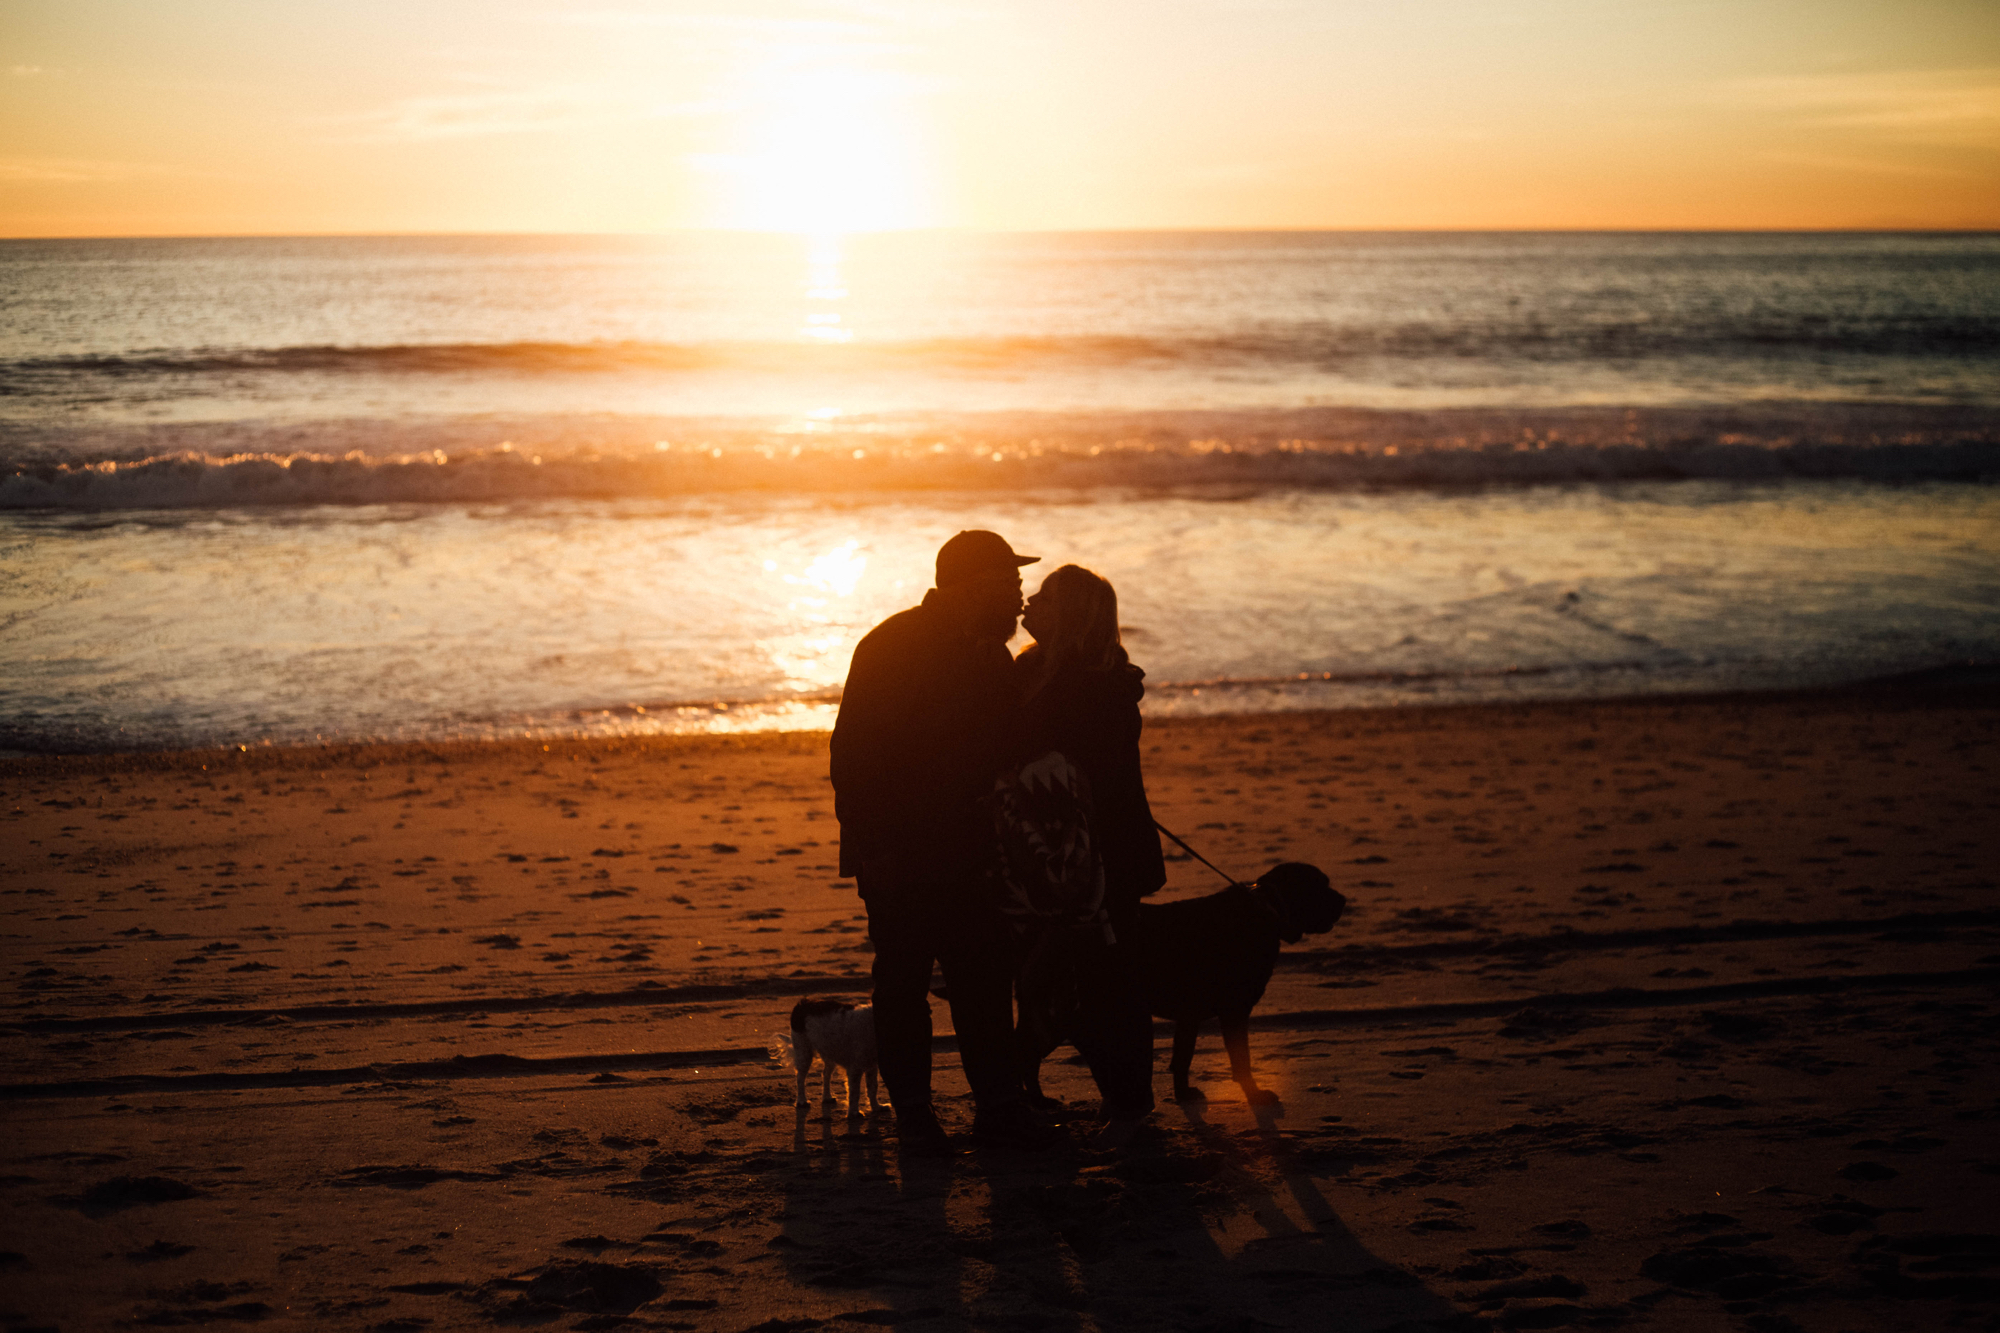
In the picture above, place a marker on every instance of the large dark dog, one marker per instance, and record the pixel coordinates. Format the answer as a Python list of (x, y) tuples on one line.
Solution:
[(1212, 957)]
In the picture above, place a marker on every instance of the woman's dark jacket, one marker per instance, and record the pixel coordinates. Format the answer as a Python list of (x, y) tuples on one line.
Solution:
[(1093, 718)]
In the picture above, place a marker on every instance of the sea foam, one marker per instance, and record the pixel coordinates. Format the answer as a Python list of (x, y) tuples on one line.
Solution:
[(193, 480)]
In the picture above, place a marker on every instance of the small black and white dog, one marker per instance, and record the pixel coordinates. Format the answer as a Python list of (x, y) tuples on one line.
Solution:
[(1212, 958), (839, 1033)]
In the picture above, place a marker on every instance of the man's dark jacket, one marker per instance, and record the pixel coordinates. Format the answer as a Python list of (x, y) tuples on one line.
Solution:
[(921, 736)]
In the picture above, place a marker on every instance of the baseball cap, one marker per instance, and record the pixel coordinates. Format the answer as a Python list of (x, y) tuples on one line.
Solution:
[(975, 554)]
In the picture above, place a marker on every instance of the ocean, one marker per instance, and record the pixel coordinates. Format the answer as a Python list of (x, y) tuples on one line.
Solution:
[(272, 491)]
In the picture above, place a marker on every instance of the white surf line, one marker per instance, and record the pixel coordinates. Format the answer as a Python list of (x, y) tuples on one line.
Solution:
[(499, 1065)]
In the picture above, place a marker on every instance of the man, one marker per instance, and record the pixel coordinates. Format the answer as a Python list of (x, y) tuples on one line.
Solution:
[(921, 735)]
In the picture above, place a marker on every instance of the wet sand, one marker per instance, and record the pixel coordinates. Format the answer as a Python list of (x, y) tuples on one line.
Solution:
[(1669, 1014)]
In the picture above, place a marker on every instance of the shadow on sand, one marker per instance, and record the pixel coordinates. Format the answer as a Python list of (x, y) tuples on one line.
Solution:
[(1194, 1226)]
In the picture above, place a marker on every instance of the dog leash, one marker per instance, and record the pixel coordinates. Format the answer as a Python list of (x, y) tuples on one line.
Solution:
[(1275, 908), (1181, 842)]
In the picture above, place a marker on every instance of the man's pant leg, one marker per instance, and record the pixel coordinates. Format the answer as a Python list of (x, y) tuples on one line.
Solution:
[(905, 947), (977, 955)]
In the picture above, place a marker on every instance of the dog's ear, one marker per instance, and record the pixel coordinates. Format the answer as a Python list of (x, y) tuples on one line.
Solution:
[(816, 1008), (1288, 875), (1309, 896)]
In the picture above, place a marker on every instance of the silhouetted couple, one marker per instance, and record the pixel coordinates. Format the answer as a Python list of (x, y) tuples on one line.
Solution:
[(935, 713)]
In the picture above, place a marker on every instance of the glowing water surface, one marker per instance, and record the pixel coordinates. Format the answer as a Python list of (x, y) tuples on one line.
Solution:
[(245, 626)]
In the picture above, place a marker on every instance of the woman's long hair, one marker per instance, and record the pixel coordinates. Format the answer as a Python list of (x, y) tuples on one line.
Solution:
[(1086, 619)]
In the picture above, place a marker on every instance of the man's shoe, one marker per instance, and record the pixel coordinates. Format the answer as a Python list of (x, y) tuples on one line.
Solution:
[(918, 1134), (927, 1146), (1014, 1126), (1114, 1135)]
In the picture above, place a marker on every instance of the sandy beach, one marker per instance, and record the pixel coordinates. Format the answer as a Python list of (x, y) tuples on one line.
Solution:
[(1649, 1015)]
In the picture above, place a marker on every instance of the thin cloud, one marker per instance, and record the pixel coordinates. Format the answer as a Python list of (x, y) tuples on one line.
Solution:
[(510, 111), (746, 25), (803, 20), (75, 170), (1865, 165), (1234, 173), (710, 63), (1947, 107)]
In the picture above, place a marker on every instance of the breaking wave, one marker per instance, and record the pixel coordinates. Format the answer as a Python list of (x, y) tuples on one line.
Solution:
[(1279, 346), (192, 480)]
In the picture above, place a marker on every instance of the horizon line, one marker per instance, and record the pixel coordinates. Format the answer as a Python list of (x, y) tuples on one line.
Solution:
[(1905, 230)]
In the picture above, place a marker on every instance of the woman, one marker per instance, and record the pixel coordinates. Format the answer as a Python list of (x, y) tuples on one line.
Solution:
[(1080, 696)]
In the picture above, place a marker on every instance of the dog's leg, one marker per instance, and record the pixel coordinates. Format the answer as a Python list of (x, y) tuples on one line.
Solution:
[(1030, 1049), (825, 1081), (853, 1078), (1236, 1040), (802, 1061), (1031, 1083), (1185, 1032), (1029, 1054), (874, 1101)]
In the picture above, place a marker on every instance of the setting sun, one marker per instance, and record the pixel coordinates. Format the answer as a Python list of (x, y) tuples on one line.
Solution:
[(832, 116), (825, 151)]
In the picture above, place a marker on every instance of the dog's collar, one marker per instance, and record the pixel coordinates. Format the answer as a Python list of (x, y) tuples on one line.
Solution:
[(1275, 906)]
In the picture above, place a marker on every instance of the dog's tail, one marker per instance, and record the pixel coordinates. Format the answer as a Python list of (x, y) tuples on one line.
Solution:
[(785, 1050)]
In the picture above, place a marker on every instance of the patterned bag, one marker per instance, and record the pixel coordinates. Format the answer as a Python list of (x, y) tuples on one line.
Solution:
[(1051, 886), (1049, 869)]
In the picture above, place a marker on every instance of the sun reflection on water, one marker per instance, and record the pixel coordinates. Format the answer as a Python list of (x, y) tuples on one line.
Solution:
[(825, 289), (838, 570), (812, 655)]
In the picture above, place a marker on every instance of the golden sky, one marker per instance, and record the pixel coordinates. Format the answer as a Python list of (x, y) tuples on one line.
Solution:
[(149, 117)]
